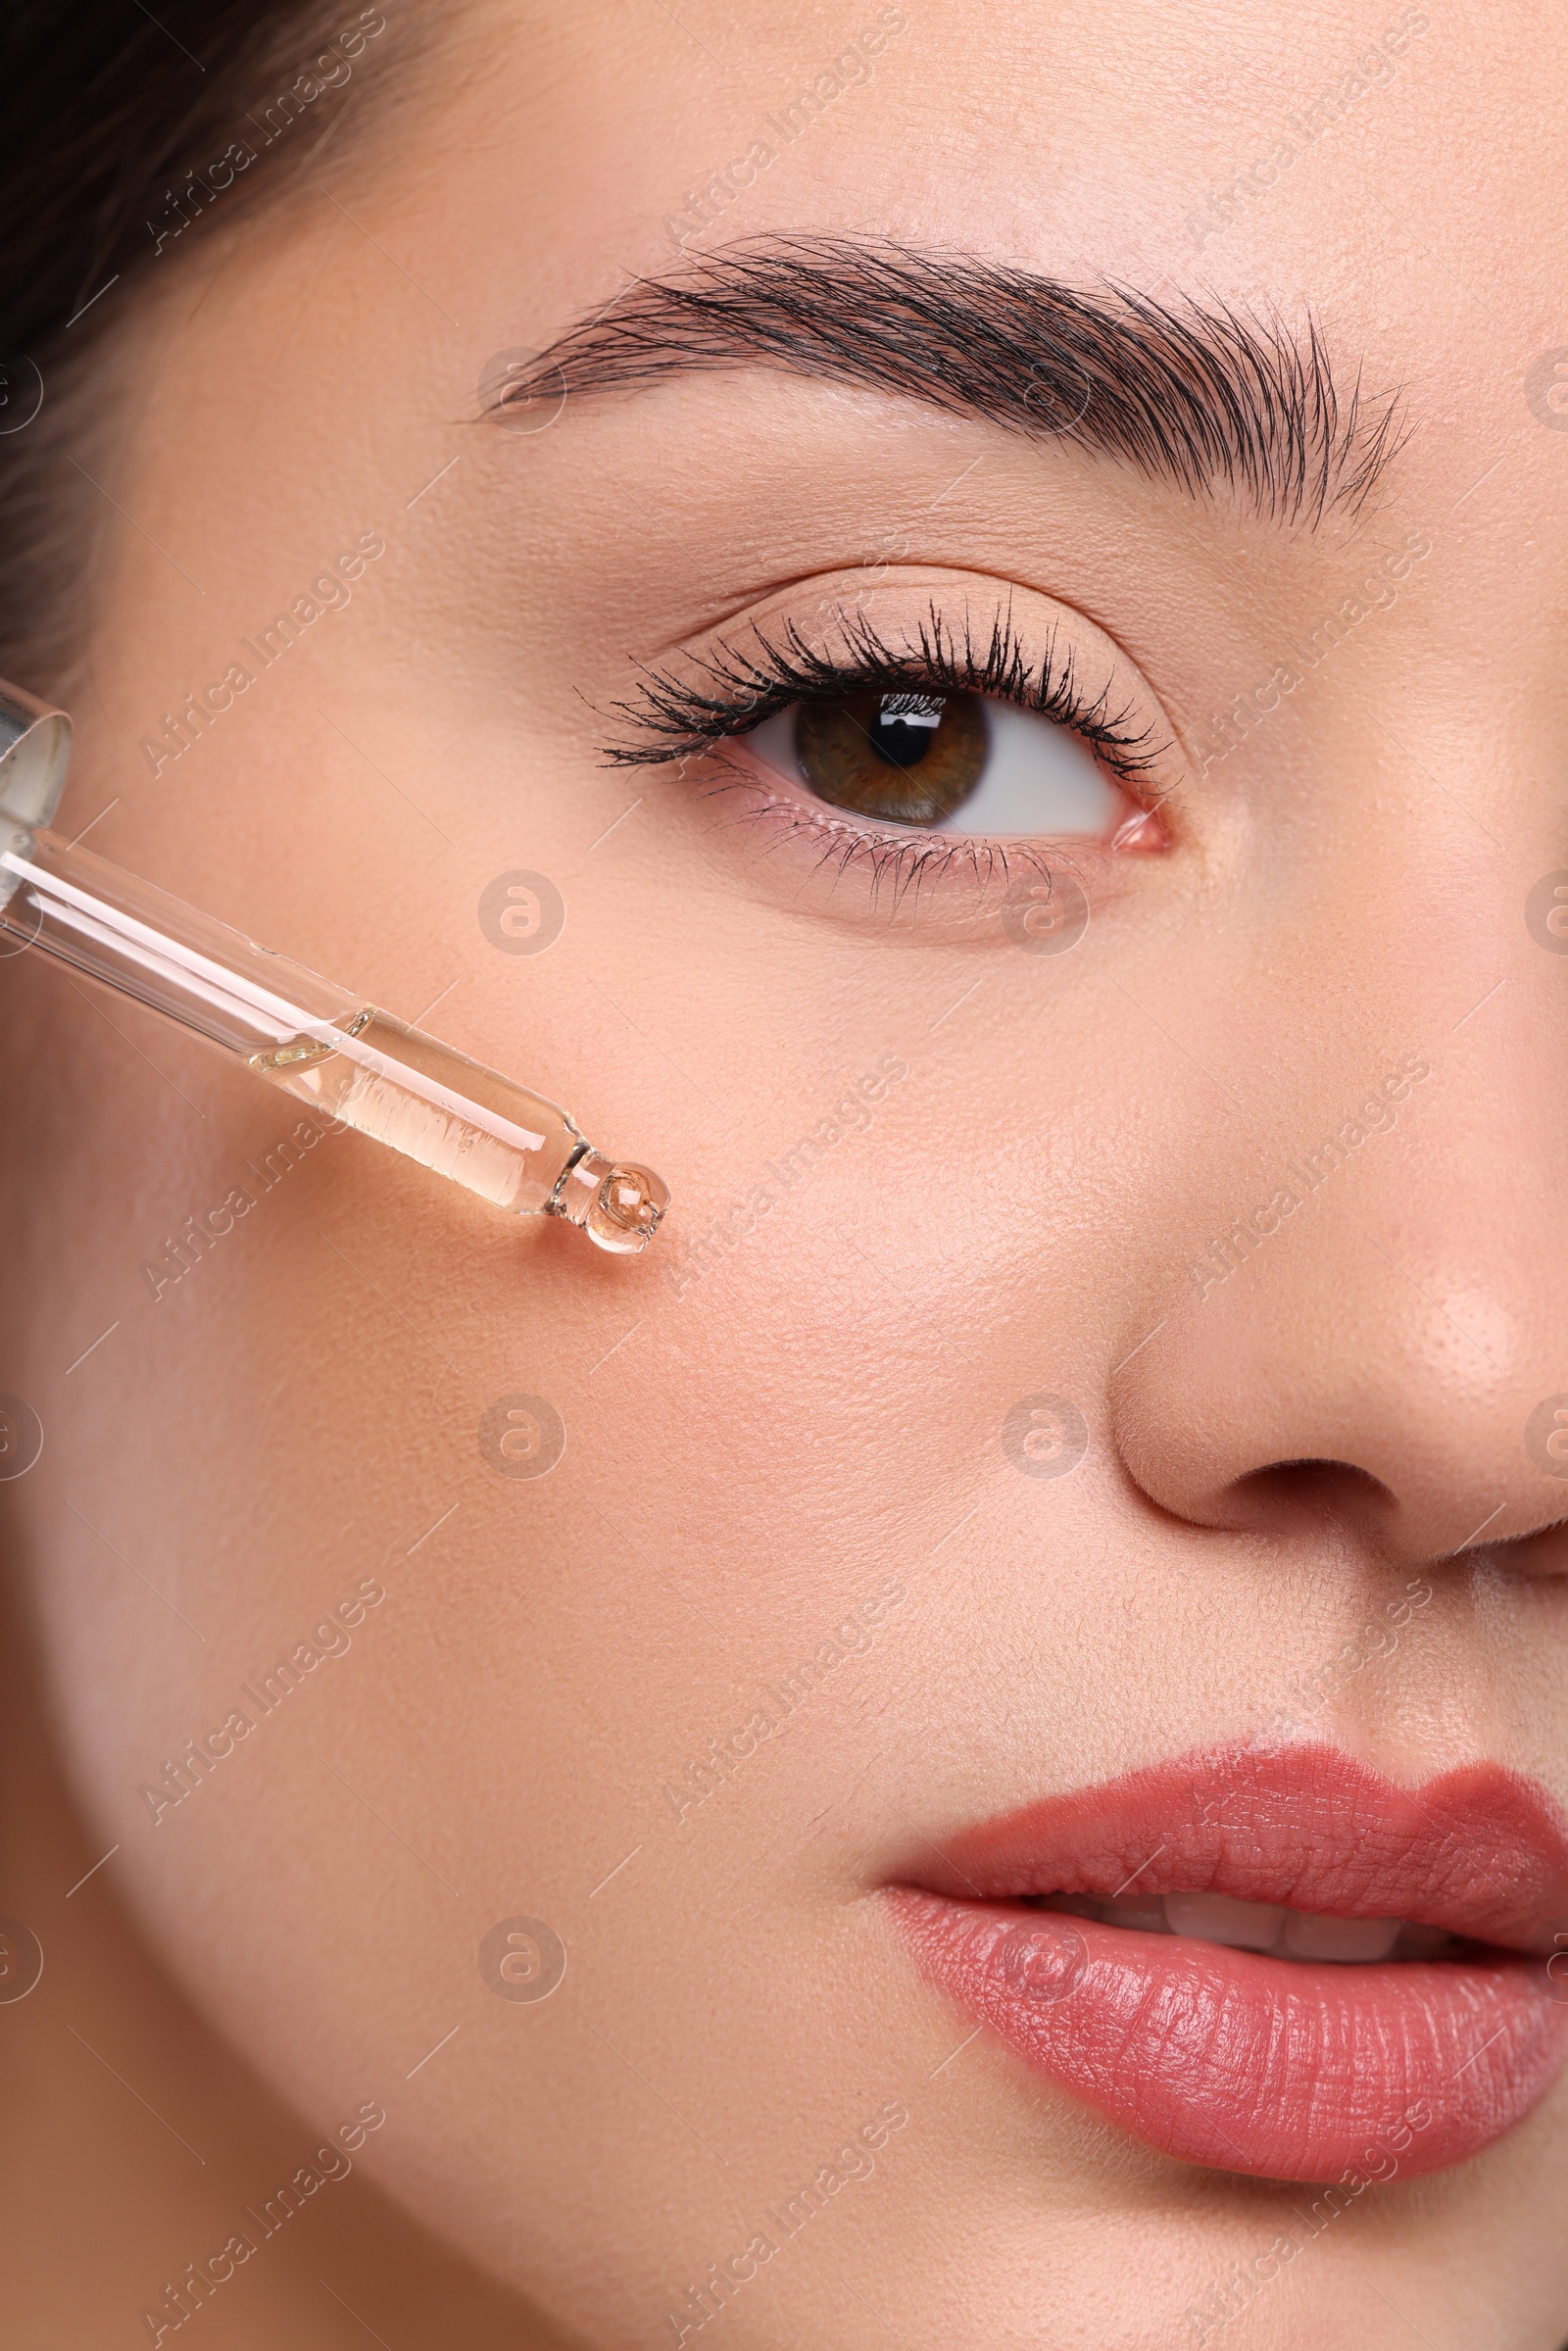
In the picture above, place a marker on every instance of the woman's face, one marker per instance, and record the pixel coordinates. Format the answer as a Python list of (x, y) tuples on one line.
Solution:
[(1102, 1362)]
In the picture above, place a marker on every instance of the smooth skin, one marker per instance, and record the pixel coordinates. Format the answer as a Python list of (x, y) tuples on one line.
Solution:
[(767, 1441)]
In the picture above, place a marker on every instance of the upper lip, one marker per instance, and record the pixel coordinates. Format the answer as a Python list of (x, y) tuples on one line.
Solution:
[(1480, 1851)]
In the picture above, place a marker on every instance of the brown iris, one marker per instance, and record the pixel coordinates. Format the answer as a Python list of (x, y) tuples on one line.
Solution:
[(903, 758)]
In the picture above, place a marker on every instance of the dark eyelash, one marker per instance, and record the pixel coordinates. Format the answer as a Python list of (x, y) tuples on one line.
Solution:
[(737, 686)]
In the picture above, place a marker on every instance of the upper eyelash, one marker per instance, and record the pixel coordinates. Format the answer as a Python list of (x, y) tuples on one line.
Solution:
[(737, 687)]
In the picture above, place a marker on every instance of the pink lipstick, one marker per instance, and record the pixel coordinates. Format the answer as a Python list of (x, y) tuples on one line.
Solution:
[(1271, 1961)]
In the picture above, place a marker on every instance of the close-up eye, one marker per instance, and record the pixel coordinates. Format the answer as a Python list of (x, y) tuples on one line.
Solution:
[(944, 762), (943, 715)]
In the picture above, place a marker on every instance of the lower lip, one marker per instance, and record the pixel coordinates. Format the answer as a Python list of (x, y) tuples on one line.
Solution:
[(1280, 2068)]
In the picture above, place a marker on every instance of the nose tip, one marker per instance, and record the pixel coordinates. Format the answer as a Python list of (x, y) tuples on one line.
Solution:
[(1425, 1418)]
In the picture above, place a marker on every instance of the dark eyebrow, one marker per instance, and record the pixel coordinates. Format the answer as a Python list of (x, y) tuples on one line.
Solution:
[(1198, 394)]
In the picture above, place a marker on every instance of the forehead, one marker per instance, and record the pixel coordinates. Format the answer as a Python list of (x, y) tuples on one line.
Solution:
[(1366, 159), (1364, 169)]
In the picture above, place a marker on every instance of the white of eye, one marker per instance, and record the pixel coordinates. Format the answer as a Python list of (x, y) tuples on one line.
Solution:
[(1039, 778)]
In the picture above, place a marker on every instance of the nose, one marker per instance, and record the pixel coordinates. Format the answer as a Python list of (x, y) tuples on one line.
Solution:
[(1378, 1327)]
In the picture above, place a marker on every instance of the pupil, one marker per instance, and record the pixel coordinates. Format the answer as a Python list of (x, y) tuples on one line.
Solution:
[(906, 728), (902, 758)]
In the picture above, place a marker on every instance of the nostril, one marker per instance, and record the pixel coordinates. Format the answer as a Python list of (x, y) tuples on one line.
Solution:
[(1311, 1489), (1541, 1552)]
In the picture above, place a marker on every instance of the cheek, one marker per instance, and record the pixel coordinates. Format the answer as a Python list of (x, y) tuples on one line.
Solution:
[(318, 1410)]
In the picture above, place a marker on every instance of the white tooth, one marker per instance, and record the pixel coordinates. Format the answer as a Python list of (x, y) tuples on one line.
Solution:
[(1425, 1942), (1221, 1918), (1144, 1914), (1078, 1906), (1309, 1937)]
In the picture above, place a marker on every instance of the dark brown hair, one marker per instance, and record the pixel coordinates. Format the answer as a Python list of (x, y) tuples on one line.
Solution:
[(121, 130)]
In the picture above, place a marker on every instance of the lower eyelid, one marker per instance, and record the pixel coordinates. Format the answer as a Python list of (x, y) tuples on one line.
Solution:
[(928, 878)]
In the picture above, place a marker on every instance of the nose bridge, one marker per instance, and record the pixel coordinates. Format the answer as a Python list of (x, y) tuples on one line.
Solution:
[(1379, 1278)]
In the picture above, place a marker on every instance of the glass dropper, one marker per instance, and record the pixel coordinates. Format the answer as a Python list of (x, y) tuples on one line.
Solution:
[(322, 1044)]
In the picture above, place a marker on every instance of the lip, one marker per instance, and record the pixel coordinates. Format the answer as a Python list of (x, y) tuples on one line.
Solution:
[(1283, 2069)]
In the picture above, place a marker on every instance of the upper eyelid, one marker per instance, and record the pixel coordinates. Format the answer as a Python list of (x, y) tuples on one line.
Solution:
[(678, 717)]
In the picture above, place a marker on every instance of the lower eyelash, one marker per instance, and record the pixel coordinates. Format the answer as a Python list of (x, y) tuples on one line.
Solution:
[(896, 865), (735, 689)]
